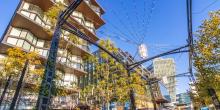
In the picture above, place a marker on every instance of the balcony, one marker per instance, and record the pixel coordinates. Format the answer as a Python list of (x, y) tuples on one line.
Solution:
[(80, 25), (87, 10), (74, 44)]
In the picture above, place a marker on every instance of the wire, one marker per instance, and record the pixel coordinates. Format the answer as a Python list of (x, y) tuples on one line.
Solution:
[(130, 21), (153, 5), (205, 8), (122, 24), (118, 37)]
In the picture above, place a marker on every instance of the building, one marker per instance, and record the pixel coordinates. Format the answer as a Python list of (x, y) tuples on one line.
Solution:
[(142, 101), (183, 101), (164, 69), (28, 30)]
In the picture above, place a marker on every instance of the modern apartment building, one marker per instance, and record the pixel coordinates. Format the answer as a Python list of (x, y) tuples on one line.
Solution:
[(183, 98), (28, 30), (142, 101), (164, 69)]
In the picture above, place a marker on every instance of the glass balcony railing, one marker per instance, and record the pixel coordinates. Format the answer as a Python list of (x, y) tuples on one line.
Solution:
[(84, 46), (26, 40), (81, 20), (36, 18), (35, 14)]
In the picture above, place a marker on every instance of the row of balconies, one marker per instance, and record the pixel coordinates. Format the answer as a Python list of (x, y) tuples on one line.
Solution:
[(26, 40), (34, 13)]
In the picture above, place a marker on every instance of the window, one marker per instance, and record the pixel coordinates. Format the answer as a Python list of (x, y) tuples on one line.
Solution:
[(45, 53), (23, 34), (34, 41), (15, 32), (32, 49), (20, 43), (29, 37), (26, 46), (12, 41), (40, 43)]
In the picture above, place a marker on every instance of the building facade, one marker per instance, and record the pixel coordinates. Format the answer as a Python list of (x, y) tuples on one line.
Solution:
[(183, 99), (164, 69), (28, 30)]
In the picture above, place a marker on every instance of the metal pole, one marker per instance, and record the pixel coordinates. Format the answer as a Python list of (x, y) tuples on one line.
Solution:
[(190, 36), (47, 83)]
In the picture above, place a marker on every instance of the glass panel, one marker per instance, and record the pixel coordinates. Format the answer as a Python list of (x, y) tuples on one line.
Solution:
[(23, 34), (40, 43), (20, 43), (29, 37), (26, 45), (34, 41), (12, 41), (32, 16), (26, 6), (25, 13), (45, 53), (38, 20), (32, 48), (15, 32)]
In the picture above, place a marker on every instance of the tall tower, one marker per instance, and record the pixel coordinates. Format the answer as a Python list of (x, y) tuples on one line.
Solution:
[(28, 30), (163, 69)]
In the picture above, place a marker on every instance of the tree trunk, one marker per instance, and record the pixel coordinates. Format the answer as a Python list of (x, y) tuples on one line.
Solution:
[(5, 90), (19, 86), (214, 97), (132, 96)]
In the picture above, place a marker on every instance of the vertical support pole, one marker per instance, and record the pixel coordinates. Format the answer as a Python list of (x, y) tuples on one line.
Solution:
[(190, 36), (19, 85), (47, 83)]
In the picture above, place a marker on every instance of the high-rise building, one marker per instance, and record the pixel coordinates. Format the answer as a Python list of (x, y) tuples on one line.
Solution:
[(28, 30), (164, 69), (183, 100)]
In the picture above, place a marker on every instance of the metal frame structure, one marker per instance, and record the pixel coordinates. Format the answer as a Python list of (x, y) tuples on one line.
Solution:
[(47, 83)]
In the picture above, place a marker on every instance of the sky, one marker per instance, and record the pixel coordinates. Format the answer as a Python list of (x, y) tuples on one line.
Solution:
[(162, 24)]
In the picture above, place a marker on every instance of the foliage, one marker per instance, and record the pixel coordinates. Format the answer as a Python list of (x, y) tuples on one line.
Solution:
[(112, 81), (207, 57)]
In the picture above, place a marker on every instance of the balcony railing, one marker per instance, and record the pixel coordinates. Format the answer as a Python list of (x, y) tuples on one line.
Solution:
[(71, 64), (36, 18), (82, 46)]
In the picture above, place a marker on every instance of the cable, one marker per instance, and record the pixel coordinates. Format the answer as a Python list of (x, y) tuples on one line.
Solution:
[(118, 38), (205, 8), (153, 5), (130, 21)]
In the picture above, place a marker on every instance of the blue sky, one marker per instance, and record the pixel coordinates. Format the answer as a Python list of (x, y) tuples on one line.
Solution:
[(162, 24)]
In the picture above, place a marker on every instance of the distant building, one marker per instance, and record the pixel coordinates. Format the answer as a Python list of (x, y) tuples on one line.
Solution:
[(183, 101), (163, 69)]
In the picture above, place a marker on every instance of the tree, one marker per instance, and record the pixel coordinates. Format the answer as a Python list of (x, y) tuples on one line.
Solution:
[(112, 80), (207, 59), (12, 66), (31, 58)]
